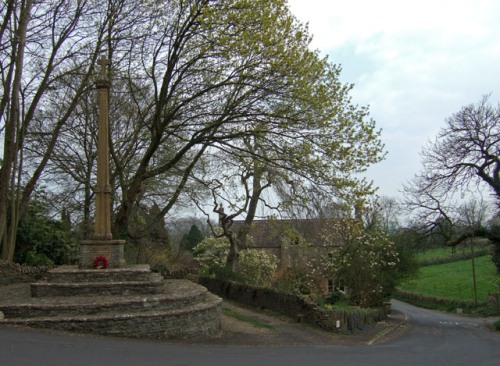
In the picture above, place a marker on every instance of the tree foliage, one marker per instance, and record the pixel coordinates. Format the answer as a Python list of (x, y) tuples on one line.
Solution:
[(211, 253), (301, 133), (257, 267), (192, 238), (200, 87)]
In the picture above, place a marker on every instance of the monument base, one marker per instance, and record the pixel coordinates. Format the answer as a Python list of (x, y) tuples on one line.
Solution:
[(131, 301), (111, 249)]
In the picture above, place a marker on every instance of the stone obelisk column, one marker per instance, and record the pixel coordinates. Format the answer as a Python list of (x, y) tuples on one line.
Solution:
[(102, 243), (103, 189)]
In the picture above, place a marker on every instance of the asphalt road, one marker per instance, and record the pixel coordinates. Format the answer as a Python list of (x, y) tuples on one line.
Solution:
[(432, 338)]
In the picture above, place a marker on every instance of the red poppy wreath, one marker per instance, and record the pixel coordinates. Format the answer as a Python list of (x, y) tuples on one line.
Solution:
[(100, 262)]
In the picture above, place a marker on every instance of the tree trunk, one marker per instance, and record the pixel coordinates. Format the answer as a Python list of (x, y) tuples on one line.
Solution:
[(10, 140), (240, 240)]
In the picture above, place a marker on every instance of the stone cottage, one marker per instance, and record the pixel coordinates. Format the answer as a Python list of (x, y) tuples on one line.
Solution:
[(292, 241)]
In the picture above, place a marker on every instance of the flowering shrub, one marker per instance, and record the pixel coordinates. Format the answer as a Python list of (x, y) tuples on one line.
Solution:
[(211, 253), (255, 267), (297, 279), (365, 263)]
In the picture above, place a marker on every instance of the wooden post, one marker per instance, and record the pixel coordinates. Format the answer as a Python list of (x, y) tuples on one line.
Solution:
[(474, 283)]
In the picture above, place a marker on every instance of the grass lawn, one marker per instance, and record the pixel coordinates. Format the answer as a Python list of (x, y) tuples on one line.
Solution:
[(454, 280)]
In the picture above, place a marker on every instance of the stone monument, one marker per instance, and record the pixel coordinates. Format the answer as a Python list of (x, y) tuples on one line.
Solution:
[(102, 247), (103, 295)]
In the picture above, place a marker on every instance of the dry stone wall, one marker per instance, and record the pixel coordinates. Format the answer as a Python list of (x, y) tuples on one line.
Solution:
[(14, 273), (295, 306)]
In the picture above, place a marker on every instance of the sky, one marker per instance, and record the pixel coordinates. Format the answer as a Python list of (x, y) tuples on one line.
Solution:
[(414, 63)]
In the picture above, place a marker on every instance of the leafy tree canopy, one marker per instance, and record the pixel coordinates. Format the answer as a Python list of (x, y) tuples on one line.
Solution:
[(200, 87)]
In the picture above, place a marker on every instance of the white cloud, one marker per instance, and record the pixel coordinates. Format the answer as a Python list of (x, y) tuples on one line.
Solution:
[(335, 22), (414, 63)]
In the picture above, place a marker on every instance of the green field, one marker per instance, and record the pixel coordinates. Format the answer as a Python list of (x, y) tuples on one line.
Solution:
[(444, 252), (481, 247), (454, 280)]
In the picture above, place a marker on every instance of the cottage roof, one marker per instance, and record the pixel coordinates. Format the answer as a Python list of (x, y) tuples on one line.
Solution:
[(272, 233)]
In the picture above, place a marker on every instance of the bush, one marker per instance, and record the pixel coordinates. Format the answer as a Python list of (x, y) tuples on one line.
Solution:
[(292, 280), (42, 239), (255, 267), (212, 253), (35, 259), (496, 325), (336, 297), (297, 280), (365, 263)]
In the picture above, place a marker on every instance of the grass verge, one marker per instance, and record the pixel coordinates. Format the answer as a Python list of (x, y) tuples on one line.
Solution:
[(247, 319)]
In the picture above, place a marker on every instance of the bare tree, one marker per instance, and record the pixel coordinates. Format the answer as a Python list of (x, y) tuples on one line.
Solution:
[(11, 114), (466, 153), (429, 211), (43, 45), (389, 213), (464, 156), (474, 213)]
